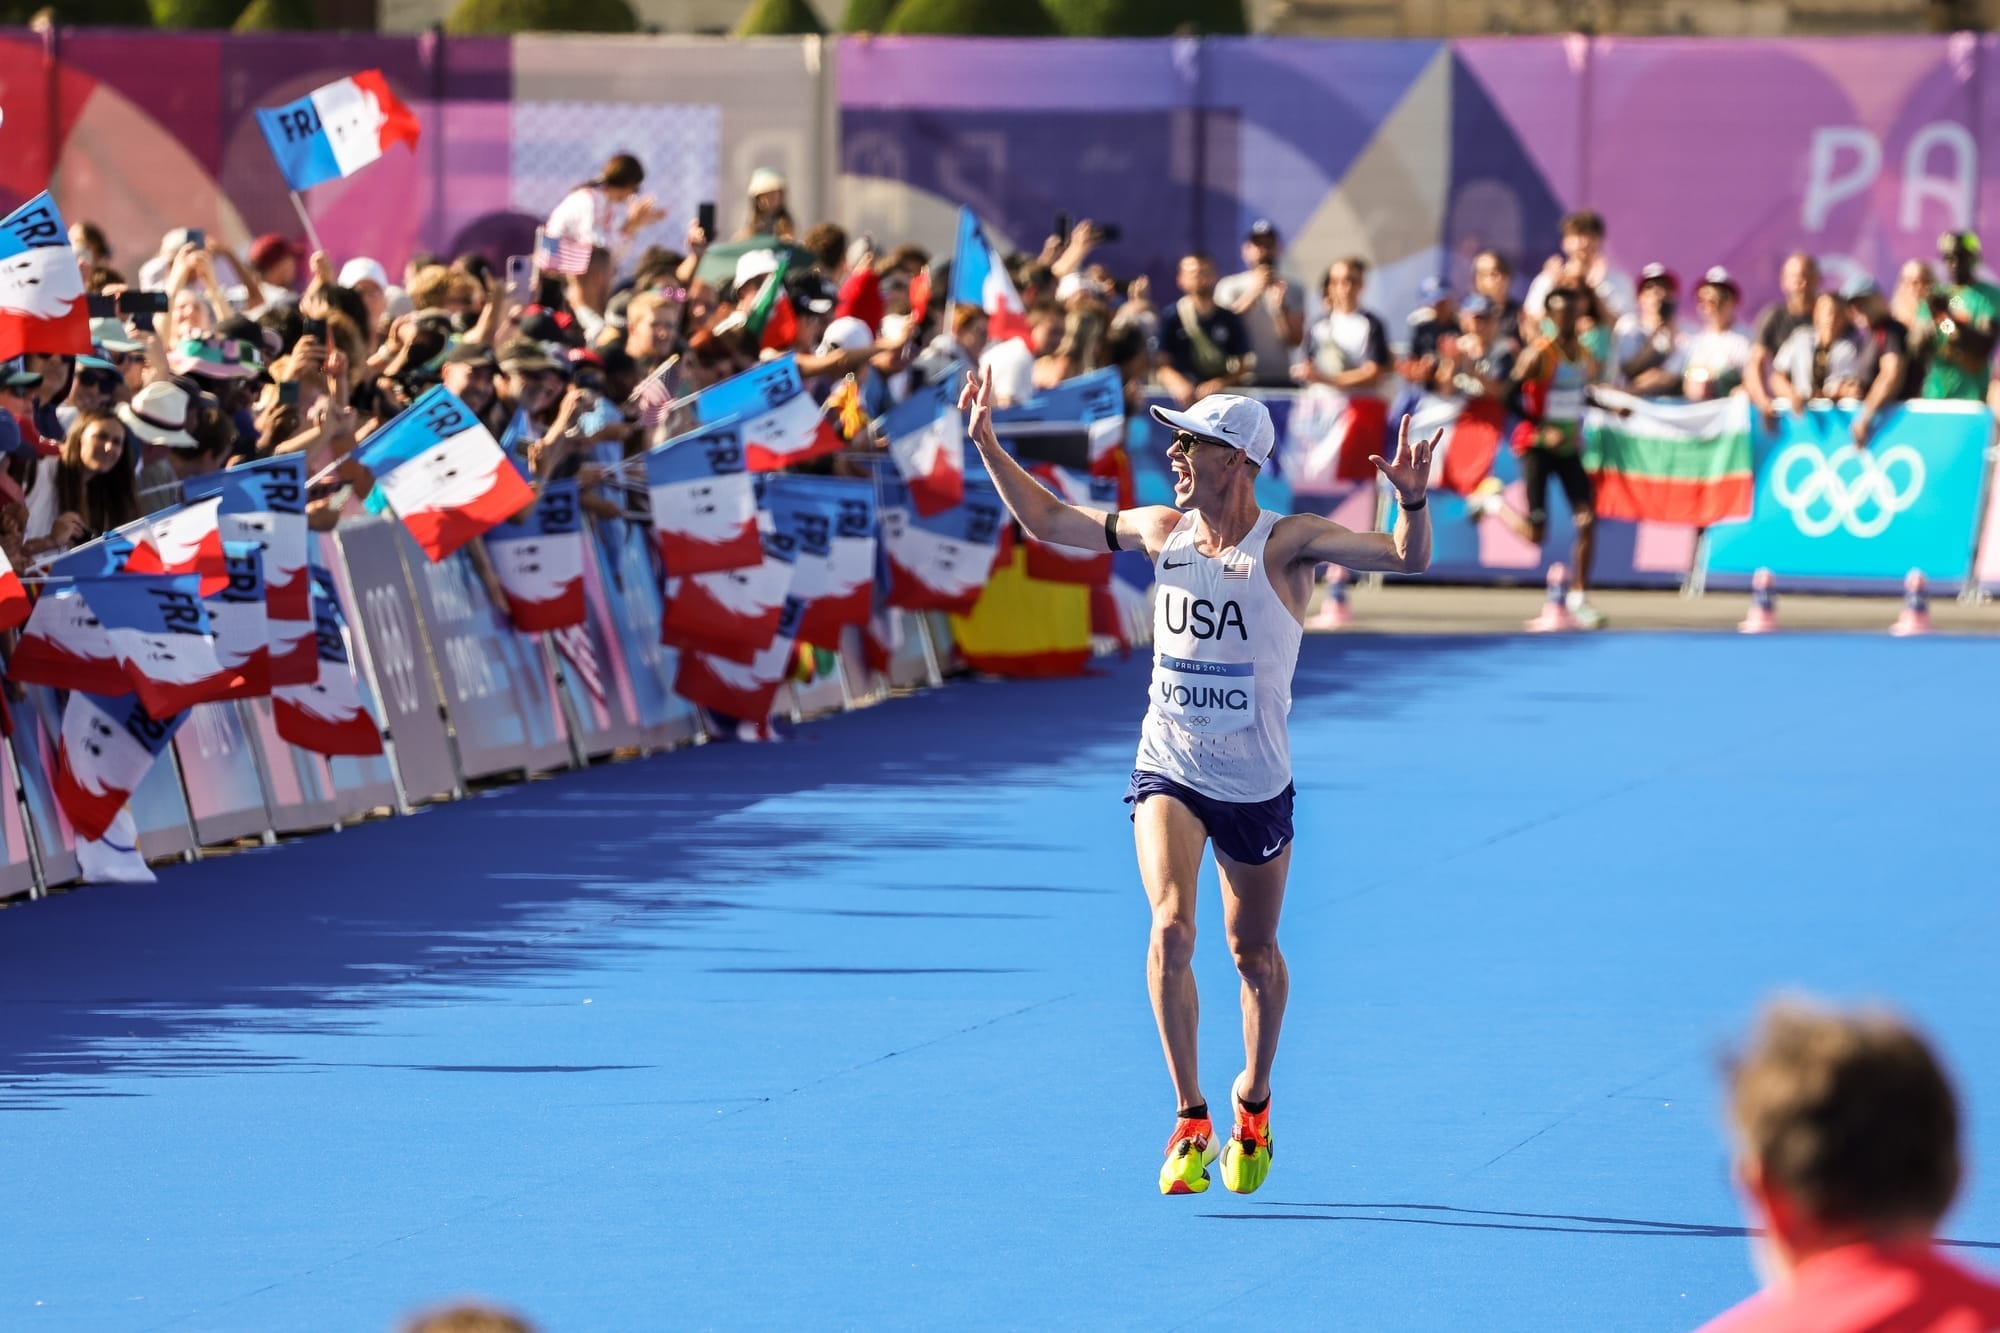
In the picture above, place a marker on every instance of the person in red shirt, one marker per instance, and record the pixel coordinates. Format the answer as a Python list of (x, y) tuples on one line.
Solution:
[(1847, 1151)]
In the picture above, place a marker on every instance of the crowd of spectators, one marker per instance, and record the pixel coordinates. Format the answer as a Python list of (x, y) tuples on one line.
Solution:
[(203, 356)]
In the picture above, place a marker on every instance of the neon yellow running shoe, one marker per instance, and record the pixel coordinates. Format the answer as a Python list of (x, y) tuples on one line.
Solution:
[(1189, 1152), (1246, 1157)]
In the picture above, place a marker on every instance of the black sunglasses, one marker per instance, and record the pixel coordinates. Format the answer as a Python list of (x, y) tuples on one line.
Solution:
[(1184, 443), (101, 380)]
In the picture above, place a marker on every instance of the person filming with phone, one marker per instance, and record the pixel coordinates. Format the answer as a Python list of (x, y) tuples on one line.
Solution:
[(1272, 309)]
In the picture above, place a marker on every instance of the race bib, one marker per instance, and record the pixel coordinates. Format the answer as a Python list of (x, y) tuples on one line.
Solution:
[(1209, 698), (1565, 404)]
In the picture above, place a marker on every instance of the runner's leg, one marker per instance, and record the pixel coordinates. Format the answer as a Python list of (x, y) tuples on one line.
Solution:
[(1252, 897), (1582, 499), (1169, 839)]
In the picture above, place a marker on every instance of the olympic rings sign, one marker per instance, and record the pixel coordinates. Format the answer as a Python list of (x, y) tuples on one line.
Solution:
[(1859, 491)]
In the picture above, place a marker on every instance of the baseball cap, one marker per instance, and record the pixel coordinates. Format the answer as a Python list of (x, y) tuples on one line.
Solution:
[(1262, 230), (470, 354), (1433, 287), (1719, 277), (1659, 273), (14, 373), (754, 264), (1077, 284), (108, 332), (357, 271), (1857, 286), (1476, 306), (1227, 418), (269, 248), (86, 362), (846, 334)]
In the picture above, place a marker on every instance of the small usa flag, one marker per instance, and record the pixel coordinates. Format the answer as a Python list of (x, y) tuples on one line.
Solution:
[(653, 398), (561, 254), (1236, 567)]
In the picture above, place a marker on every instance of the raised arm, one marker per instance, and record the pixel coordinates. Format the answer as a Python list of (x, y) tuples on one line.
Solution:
[(1407, 550), (1035, 507)]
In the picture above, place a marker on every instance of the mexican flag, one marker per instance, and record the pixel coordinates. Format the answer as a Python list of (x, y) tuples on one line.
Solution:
[(771, 321), (1669, 462)]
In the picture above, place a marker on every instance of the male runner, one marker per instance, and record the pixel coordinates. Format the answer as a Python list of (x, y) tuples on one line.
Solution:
[(1214, 760)]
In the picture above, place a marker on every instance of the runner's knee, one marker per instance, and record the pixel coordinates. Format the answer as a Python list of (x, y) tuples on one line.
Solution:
[(1256, 963), (1173, 940)]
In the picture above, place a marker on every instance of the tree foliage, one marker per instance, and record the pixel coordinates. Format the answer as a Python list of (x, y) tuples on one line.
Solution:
[(503, 17), (779, 18), (1149, 18)]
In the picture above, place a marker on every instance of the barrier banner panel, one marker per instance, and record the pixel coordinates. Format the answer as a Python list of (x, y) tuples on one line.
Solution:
[(389, 642), (602, 710), (642, 667), (300, 798), (17, 870), (160, 812), (224, 794), (36, 727), (496, 688), (1842, 516)]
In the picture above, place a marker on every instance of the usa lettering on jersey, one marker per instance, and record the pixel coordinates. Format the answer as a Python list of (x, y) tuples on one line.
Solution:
[(1201, 618)]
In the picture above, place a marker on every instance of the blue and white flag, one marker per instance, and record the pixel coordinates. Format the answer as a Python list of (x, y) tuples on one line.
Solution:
[(335, 130)]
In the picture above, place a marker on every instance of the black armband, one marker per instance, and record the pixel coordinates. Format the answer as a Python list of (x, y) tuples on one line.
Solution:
[(1111, 531)]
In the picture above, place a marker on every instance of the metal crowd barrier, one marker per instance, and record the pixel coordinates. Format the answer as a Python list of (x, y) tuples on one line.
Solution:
[(461, 697)]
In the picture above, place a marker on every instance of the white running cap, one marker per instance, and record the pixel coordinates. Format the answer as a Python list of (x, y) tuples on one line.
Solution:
[(1227, 418)]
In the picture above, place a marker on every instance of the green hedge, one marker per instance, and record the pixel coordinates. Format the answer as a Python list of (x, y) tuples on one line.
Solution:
[(779, 18), (469, 17), (973, 18), (867, 15), (84, 13), (196, 13), (1148, 18), (279, 16)]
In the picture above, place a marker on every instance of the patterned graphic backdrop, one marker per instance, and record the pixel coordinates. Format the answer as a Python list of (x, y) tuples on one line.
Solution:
[(1412, 153)]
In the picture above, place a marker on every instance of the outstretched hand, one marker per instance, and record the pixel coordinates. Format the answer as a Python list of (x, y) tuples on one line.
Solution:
[(1410, 471), (975, 400)]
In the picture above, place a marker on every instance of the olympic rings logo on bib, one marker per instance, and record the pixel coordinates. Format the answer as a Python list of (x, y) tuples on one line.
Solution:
[(1855, 490)]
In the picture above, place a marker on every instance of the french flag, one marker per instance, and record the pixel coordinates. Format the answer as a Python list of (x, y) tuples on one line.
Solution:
[(441, 472), (979, 278), (927, 443), (108, 743), (1093, 404), (704, 505), (264, 502), (42, 306), (242, 632), (742, 690), (14, 604), (837, 590), (186, 539), (942, 562), (539, 562), (337, 129), (733, 614), (327, 717), (65, 647), (1065, 564), (163, 637), (779, 422)]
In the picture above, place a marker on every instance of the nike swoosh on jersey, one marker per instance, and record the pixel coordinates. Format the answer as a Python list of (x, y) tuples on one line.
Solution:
[(1176, 565)]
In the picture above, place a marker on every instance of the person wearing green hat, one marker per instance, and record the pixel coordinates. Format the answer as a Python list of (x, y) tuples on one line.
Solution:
[(1965, 322)]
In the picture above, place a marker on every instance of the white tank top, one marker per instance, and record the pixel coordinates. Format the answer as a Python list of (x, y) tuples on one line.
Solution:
[(1224, 648)]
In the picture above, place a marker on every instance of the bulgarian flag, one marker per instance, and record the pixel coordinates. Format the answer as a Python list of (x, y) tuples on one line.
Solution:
[(1669, 462), (772, 322)]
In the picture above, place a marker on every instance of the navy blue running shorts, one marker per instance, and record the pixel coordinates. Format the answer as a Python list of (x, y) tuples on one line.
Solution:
[(1247, 832)]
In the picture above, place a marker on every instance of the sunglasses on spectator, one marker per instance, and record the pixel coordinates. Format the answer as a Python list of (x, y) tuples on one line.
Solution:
[(102, 381)]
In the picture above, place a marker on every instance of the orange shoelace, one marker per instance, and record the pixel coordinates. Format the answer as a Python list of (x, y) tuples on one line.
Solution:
[(1200, 1130)]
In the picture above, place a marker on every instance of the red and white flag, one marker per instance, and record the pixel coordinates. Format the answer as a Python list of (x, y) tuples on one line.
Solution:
[(65, 647), (539, 562), (704, 503), (927, 443), (734, 613), (42, 306), (327, 717), (742, 690), (107, 746)]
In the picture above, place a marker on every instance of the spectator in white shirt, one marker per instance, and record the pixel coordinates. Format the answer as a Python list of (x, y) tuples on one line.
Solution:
[(1349, 347), (1649, 350), (1818, 356), (606, 211), (1720, 349), (1583, 251), (1272, 309)]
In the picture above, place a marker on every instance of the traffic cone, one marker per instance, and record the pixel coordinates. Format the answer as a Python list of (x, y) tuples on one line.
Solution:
[(1916, 617), (1334, 612), (1555, 616), (1763, 617)]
